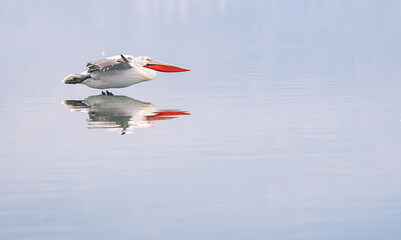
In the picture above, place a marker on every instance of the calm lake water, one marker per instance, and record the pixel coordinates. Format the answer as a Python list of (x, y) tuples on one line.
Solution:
[(287, 127)]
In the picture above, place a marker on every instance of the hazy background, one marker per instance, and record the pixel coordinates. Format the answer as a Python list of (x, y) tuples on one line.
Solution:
[(294, 133)]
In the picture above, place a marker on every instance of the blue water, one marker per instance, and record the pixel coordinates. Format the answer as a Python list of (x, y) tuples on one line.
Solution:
[(294, 129)]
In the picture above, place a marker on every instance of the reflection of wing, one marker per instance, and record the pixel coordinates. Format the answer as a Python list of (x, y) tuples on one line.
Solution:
[(108, 64)]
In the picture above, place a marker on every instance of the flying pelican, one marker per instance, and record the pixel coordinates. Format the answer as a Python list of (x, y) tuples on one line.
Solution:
[(120, 71)]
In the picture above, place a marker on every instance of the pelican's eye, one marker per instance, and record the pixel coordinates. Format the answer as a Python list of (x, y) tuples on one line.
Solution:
[(148, 59)]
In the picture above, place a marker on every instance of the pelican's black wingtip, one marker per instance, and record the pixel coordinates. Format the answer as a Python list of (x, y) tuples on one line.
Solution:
[(122, 56)]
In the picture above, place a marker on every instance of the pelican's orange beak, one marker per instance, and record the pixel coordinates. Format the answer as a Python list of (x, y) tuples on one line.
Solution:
[(164, 67)]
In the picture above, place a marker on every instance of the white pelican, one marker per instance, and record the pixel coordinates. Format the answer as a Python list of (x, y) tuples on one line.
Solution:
[(120, 71)]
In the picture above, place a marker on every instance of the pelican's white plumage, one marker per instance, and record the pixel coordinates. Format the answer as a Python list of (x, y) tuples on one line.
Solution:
[(120, 71)]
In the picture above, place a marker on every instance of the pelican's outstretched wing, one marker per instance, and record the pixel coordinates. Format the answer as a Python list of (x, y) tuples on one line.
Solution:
[(113, 63)]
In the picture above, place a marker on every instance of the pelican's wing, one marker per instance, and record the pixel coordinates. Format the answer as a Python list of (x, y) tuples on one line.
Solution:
[(108, 64)]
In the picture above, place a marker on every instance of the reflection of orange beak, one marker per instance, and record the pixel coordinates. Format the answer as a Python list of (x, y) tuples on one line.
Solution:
[(165, 67), (166, 115)]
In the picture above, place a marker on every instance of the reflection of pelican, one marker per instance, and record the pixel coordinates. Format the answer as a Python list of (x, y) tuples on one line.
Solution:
[(120, 113), (120, 71)]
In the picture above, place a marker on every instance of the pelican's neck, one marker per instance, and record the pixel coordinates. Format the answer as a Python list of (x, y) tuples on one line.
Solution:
[(147, 74)]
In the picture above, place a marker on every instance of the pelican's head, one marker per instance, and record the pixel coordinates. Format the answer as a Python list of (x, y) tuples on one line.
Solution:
[(147, 62)]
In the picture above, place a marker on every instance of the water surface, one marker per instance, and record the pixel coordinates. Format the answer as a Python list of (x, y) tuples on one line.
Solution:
[(294, 132)]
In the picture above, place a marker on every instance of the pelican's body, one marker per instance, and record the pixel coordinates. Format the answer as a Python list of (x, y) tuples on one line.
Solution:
[(120, 71), (119, 77)]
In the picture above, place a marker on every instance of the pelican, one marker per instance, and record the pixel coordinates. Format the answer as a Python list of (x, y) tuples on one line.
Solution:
[(120, 71)]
